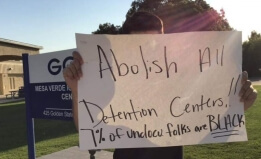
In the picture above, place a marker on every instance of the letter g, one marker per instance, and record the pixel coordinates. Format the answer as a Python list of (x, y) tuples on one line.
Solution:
[(54, 69)]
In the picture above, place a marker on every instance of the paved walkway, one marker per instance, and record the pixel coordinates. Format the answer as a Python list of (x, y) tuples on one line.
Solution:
[(256, 80), (75, 153)]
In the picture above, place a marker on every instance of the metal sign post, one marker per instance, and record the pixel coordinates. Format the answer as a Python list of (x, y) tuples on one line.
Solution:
[(29, 118)]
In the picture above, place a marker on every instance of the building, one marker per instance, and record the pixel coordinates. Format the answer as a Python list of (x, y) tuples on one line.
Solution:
[(11, 67)]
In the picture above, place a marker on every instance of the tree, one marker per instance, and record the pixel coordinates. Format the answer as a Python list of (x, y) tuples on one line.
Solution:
[(107, 28), (183, 15), (178, 15), (252, 54)]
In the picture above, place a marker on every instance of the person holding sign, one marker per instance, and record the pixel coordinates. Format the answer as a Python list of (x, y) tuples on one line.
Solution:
[(144, 23)]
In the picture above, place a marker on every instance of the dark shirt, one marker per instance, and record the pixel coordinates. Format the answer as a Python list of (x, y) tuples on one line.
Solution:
[(149, 153)]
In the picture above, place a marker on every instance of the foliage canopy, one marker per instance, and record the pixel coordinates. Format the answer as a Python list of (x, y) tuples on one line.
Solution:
[(177, 16), (252, 54), (183, 15)]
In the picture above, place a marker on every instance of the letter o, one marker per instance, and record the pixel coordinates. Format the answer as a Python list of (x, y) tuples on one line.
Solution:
[(137, 69)]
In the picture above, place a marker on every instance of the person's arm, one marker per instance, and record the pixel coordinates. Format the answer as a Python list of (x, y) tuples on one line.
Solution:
[(75, 109), (247, 93), (72, 73)]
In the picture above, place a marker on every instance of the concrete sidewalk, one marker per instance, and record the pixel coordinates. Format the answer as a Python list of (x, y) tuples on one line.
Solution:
[(75, 153), (256, 80)]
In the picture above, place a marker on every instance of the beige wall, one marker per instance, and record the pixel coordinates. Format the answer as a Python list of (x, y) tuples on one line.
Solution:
[(10, 82), (11, 72), (11, 76), (11, 49), (1, 85), (15, 81), (4, 85)]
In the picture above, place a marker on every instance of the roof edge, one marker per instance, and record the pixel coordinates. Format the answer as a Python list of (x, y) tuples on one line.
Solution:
[(20, 43)]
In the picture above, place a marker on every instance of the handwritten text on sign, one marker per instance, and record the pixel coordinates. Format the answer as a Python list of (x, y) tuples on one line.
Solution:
[(160, 90)]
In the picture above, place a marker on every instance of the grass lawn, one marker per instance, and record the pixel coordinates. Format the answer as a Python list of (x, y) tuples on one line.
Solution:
[(52, 136), (239, 150)]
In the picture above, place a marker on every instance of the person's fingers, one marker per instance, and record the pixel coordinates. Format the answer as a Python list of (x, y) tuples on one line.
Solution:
[(67, 73), (76, 55), (78, 67), (247, 93), (73, 70), (250, 100), (244, 77), (77, 63), (244, 88), (253, 95), (72, 67)]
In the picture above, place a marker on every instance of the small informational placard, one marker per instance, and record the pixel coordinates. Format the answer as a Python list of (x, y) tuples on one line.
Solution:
[(50, 96), (160, 90)]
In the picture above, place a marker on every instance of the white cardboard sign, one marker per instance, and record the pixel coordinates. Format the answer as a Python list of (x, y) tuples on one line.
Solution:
[(160, 90)]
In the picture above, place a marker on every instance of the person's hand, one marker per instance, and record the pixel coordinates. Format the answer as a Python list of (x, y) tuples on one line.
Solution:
[(73, 72), (247, 93)]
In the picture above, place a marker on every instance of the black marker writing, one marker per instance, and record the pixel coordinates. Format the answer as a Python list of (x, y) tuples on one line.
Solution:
[(87, 104), (107, 62), (116, 135), (205, 57), (133, 114), (179, 129), (226, 122), (195, 107), (124, 69), (146, 133)]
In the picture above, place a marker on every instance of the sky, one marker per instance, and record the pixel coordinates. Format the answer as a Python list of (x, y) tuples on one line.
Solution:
[(52, 24)]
